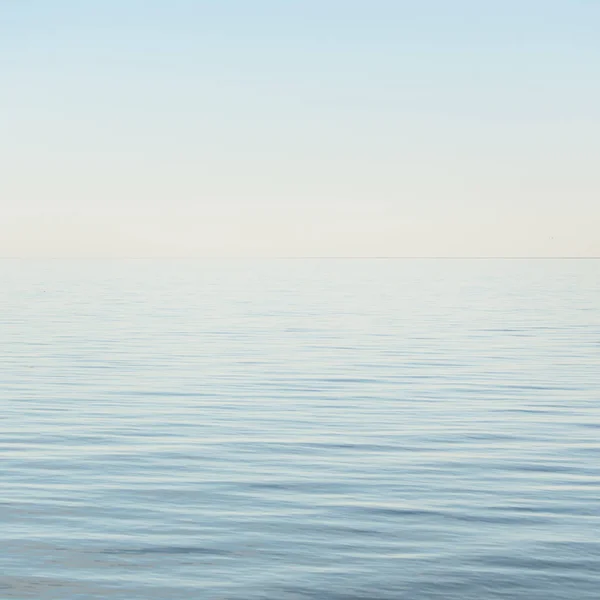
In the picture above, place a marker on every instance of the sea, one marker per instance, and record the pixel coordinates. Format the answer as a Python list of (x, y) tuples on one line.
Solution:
[(300, 429)]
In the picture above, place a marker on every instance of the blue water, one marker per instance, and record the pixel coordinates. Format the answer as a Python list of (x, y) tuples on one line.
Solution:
[(300, 429)]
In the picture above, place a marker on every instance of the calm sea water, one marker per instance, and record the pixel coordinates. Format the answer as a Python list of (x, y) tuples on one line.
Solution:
[(300, 429)]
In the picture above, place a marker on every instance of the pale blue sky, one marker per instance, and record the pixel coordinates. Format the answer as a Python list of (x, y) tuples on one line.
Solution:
[(303, 128)]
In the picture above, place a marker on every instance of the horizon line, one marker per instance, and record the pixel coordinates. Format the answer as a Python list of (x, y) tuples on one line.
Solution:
[(299, 257)]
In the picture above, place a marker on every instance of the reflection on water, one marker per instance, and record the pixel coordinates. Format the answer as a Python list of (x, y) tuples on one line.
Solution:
[(318, 429)]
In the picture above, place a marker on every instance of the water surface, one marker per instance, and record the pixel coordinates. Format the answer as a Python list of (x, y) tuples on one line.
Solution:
[(300, 429)]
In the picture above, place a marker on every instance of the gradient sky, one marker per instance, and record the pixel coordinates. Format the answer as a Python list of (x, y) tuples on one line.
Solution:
[(299, 127)]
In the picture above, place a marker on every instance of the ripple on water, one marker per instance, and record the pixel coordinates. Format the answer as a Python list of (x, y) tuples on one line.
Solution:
[(275, 430)]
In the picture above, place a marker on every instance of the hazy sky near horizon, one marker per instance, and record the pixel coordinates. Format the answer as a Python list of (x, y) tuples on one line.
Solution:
[(299, 128)]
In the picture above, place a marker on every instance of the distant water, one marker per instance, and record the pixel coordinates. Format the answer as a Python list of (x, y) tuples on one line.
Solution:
[(300, 429)]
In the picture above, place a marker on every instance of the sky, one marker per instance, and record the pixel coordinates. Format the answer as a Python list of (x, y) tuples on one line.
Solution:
[(153, 128)]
